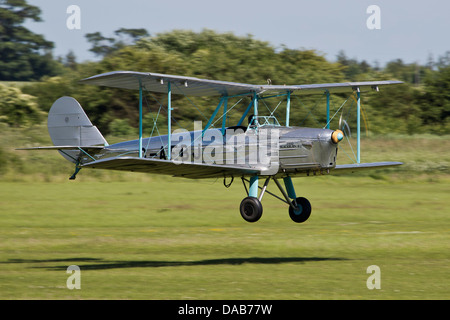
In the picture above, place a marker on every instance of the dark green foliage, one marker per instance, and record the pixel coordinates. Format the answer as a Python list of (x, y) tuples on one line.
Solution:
[(24, 55), (18, 109), (103, 46), (420, 105), (435, 101)]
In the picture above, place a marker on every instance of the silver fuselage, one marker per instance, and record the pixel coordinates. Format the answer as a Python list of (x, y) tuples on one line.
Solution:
[(275, 150)]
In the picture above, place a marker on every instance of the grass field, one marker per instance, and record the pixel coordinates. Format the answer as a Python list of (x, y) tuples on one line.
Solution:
[(181, 239), (138, 236)]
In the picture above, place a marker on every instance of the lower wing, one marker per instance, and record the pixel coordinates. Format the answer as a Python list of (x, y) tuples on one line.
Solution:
[(85, 148), (351, 168), (178, 169)]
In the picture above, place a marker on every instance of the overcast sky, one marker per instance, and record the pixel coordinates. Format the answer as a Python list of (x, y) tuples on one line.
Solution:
[(410, 30)]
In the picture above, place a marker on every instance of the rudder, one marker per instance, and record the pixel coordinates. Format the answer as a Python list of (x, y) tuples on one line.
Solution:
[(68, 125)]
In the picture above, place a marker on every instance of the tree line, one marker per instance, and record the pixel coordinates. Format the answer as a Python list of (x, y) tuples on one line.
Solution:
[(420, 105)]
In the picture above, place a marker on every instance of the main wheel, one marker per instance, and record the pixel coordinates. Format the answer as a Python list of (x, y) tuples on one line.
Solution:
[(303, 211), (251, 209)]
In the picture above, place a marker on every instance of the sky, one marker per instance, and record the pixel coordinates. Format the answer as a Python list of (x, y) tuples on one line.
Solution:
[(409, 30)]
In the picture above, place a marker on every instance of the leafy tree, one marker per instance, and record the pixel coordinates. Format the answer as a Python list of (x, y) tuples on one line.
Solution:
[(24, 55), (18, 109), (394, 110), (411, 73), (103, 46), (70, 60), (435, 101), (121, 128), (444, 60), (130, 36), (353, 70)]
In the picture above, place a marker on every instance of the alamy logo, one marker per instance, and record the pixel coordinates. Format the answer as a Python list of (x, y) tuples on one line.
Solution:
[(74, 280), (374, 281), (233, 146), (73, 22), (374, 20)]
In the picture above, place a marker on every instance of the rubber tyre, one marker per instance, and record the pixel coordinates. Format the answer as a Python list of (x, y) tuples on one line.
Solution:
[(303, 212), (251, 209)]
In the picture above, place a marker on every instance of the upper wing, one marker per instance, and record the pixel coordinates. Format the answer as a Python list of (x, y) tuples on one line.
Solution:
[(187, 170), (157, 82)]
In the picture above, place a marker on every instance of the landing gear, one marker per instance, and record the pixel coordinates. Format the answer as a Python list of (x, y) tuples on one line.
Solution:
[(77, 169), (251, 208), (302, 211)]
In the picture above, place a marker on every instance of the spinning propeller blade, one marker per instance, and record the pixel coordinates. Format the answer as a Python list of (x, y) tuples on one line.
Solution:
[(344, 127)]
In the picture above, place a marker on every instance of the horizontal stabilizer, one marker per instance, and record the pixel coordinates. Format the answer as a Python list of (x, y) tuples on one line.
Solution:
[(351, 168), (187, 170)]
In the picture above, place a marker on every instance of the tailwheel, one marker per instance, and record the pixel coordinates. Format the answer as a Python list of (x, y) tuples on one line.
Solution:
[(302, 211), (251, 209)]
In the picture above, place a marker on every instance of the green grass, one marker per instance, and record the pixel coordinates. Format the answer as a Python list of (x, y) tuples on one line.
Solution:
[(167, 238), (138, 236)]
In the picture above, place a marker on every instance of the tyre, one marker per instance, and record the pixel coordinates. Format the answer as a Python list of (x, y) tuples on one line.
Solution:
[(303, 211), (251, 209)]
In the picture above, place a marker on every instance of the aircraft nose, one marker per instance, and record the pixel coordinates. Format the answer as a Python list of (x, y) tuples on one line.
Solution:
[(337, 136)]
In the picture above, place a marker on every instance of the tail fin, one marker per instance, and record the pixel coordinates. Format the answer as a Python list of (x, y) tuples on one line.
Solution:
[(68, 125)]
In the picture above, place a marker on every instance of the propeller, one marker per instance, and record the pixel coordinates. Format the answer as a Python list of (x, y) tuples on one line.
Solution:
[(344, 127)]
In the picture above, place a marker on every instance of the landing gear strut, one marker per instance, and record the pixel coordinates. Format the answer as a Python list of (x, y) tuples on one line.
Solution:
[(251, 208)]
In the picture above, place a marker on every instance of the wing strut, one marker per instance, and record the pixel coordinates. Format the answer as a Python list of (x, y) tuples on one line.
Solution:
[(288, 108), (358, 126), (169, 121), (328, 108), (140, 118)]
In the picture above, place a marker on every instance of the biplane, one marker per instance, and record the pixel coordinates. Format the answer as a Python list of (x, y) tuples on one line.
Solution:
[(256, 147)]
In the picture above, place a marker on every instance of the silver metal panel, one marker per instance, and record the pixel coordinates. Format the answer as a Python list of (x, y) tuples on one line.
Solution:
[(90, 136), (75, 136), (65, 136)]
